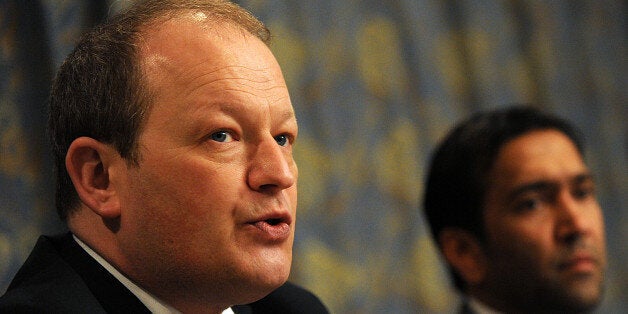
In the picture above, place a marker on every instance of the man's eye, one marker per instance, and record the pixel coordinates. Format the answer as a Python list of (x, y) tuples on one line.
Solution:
[(221, 136), (528, 204), (583, 193), (282, 140)]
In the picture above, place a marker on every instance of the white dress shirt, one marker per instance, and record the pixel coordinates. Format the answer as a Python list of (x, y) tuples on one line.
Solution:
[(154, 304), (480, 308)]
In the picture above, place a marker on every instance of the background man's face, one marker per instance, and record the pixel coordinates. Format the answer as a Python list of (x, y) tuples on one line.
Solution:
[(545, 233), (211, 207)]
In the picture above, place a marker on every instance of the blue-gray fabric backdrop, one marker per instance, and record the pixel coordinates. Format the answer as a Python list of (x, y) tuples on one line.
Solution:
[(375, 85)]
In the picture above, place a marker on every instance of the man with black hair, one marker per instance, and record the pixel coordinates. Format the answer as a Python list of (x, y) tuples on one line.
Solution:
[(512, 207)]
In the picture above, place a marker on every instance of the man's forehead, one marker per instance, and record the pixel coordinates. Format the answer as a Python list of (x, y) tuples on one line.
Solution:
[(201, 66), (175, 46), (537, 145), (538, 155)]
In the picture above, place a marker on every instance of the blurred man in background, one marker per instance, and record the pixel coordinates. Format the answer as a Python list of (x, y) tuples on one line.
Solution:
[(512, 207)]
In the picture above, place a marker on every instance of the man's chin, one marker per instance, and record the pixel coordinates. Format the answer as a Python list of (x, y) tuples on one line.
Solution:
[(579, 297), (268, 278), (274, 278), (586, 301), (261, 288)]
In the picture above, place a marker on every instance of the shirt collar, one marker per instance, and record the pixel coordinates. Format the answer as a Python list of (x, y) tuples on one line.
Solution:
[(480, 308), (154, 304)]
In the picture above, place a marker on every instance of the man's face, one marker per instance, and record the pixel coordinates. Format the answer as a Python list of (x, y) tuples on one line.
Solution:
[(210, 209), (545, 246)]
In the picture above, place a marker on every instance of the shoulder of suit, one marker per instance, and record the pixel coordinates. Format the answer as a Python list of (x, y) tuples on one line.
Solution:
[(290, 298)]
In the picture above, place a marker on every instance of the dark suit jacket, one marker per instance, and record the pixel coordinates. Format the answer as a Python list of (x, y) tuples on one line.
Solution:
[(60, 277), (466, 309)]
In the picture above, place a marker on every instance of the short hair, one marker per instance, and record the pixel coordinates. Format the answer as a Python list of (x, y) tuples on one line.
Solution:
[(458, 173), (100, 90)]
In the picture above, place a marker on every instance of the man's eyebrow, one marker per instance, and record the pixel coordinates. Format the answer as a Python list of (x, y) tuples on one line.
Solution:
[(581, 178), (536, 186), (545, 185), (214, 105), (233, 110), (287, 115)]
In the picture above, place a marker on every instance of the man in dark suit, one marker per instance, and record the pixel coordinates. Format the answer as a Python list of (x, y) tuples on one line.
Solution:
[(512, 207), (172, 130)]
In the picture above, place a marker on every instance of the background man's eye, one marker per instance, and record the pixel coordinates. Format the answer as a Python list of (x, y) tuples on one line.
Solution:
[(221, 136), (528, 204), (583, 193), (282, 140)]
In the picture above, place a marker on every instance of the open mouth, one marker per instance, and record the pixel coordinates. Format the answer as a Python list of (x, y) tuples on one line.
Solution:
[(275, 229), (270, 223), (273, 221)]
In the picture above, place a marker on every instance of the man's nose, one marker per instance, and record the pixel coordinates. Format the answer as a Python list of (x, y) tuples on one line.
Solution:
[(572, 218), (272, 168)]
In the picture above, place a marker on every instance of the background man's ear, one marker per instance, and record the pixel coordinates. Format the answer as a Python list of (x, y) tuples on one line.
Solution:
[(88, 163), (463, 251)]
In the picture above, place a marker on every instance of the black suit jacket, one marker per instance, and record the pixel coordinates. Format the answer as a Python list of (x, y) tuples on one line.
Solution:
[(60, 277), (466, 309)]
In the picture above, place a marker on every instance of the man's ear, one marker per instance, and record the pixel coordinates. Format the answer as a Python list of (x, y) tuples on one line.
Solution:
[(88, 163), (463, 251)]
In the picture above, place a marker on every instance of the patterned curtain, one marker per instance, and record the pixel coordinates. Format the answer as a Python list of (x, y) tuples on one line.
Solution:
[(25, 73), (35, 37), (375, 85)]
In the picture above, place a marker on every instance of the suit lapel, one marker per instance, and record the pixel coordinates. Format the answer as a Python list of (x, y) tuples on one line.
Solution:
[(110, 293), (466, 309), (242, 309)]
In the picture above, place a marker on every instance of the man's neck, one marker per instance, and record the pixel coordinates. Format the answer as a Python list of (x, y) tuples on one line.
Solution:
[(154, 304)]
